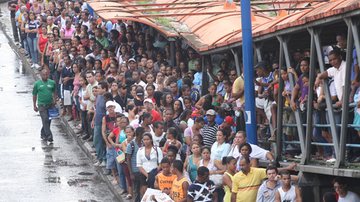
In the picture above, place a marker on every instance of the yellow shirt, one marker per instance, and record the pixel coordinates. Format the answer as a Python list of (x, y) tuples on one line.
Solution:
[(177, 191), (246, 186), (165, 182), (237, 86), (227, 197)]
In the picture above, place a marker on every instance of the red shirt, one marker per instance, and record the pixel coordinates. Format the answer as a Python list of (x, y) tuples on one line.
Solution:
[(156, 116)]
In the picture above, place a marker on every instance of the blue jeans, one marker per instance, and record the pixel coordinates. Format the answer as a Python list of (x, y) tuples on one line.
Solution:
[(32, 43), (121, 176), (46, 133), (99, 144)]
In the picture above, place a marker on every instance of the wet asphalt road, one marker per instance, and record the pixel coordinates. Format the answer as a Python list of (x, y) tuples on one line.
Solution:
[(29, 169)]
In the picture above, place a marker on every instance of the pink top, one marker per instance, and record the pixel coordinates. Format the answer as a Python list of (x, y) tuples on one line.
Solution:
[(68, 33), (76, 84)]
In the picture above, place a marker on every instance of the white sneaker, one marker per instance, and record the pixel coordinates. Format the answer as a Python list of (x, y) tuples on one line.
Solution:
[(298, 156), (98, 163), (33, 66), (37, 66), (103, 164), (332, 160)]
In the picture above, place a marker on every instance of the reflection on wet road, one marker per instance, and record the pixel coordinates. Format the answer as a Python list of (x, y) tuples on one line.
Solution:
[(29, 169)]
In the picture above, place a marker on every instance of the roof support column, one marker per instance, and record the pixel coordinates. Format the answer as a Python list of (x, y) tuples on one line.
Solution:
[(340, 160), (329, 106), (172, 52), (280, 105), (205, 61), (247, 53), (309, 106), (237, 62), (284, 42)]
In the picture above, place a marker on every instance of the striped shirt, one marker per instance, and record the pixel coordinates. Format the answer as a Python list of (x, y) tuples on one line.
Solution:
[(209, 134)]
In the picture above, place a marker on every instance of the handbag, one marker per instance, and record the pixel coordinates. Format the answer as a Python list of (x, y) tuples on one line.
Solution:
[(120, 158), (53, 113)]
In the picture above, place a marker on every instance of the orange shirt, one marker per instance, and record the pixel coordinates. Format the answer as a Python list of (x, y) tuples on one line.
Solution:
[(165, 182), (177, 191)]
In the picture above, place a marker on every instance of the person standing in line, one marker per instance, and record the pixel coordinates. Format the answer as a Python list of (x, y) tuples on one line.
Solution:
[(12, 9), (269, 187), (287, 192), (43, 99), (179, 189), (245, 183), (341, 189)]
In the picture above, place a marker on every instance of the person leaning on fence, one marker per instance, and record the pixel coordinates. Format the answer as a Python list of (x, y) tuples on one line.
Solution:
[(43, 99)]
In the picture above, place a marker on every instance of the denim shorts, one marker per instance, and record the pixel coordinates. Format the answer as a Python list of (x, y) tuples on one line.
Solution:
[(110, 158)]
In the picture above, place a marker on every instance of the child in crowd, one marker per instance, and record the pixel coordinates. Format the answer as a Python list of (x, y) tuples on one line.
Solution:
[(180, 185), (165, 178)]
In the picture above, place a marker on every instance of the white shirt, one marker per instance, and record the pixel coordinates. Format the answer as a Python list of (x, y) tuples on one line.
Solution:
[(219, 151), (339, 78), (257, 152), (152, 162), (288, 196), (156, 139), (350, 197)]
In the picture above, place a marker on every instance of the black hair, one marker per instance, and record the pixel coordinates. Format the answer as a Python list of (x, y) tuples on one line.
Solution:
[(139, 131), (173, 148), (284, 172), (246, 158), (335, 52), (245, 145), (165, 160), (178, 165), (104, 85), (340, 181), (202, 171), (108, 96), (226, 160), (271, 167), (157, 124), (144, 116), (205, 147)]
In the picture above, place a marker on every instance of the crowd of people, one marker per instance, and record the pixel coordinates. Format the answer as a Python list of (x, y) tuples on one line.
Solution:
[(148, 120)]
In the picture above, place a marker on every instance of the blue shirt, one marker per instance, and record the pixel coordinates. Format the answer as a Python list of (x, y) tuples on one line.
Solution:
[(133, 151), (100, 110)]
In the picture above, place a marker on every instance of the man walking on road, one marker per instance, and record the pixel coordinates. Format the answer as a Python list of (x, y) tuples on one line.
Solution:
[(43, 99)]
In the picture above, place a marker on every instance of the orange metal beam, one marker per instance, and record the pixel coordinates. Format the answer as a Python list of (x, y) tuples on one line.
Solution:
[(278, 9), (166, 14), (286, 2)]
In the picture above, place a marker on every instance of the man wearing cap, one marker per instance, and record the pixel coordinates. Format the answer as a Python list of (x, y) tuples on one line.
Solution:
[(228, 127), (210, 129), (139, 99), (44, 96), (132, 66), (149, 107)]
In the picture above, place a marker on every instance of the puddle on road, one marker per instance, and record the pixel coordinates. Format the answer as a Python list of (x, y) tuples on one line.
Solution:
[(79, 182), (53, 180), (85, 173)]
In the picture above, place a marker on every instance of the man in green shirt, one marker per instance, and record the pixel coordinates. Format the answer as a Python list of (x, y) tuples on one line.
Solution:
[(43, 99)]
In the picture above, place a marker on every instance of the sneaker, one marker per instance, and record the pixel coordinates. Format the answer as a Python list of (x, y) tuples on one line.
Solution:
[(103, 164), (86, 137), (33, 66), (37, 66), (331, 160), (51, 141), (98, 163), (298, 156)]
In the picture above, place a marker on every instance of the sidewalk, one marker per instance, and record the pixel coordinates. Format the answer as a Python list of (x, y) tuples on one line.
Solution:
[(68, 126)]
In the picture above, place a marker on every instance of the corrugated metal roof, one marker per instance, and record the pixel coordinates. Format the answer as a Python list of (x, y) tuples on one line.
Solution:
[(207, 25)]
